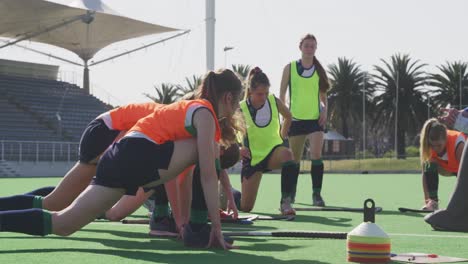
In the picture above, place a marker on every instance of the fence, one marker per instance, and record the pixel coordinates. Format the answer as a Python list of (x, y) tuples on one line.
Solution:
[(410, 164), (37, 151), (51, 151)]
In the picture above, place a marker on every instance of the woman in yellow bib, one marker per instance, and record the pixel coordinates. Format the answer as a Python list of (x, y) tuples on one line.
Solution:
[(263, 148), (308, 85)]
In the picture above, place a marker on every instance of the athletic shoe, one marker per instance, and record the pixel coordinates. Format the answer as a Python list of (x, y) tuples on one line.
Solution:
[(286, 208), (317, 200), (201, 238), (431, 205), (163, 226)]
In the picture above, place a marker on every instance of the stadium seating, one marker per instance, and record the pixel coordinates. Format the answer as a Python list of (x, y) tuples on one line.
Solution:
[(30, 109)]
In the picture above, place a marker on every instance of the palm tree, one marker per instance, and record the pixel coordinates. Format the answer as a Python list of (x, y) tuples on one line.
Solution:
[(166, 93), (192, 84), (408, 76), (447, 84), (346, 95), (242, 70)]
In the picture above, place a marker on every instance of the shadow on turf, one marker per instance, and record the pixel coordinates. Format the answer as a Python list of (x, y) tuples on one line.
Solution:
[(303, 218), (383, 212), (136, 252), (396, 212), (169, 244)]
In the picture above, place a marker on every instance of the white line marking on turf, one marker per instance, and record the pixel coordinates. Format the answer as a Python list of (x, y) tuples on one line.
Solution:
[(425, 235), (250, 229)]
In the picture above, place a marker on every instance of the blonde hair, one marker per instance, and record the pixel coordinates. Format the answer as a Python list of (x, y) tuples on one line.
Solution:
[(432, 130)]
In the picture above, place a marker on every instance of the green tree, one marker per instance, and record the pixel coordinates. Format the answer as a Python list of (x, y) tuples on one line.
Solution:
[(346, 97), (242, 70), (447, 84), (191, 84), (166, 93), (408, 75)]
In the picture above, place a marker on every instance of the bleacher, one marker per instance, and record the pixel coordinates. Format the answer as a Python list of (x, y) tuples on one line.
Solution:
[(30, 109)]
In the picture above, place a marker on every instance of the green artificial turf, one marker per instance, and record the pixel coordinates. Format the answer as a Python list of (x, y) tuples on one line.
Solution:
[(105, 242)]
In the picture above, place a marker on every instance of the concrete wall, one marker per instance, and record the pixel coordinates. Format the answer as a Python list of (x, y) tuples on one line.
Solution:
[(38, 169)]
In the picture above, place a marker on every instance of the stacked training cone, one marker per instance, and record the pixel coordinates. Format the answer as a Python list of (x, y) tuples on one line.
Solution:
[(368, 243)]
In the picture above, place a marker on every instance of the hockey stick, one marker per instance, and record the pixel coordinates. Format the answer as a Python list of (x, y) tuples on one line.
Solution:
[(409, 210), (299, 234), (337, 209), (243, 220)]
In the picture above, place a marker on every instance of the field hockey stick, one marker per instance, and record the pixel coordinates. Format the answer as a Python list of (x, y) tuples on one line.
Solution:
[(276, 217), (298, 234), (247, 221), (410, 210), (336, 209)]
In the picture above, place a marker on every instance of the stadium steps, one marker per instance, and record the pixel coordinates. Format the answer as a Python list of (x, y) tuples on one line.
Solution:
[(43, 99), (6, 170)]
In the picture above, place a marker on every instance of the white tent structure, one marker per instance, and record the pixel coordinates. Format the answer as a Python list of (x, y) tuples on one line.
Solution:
[(83, 27)]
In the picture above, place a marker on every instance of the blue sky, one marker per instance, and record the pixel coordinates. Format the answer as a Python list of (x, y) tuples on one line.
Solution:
[(266, 34)]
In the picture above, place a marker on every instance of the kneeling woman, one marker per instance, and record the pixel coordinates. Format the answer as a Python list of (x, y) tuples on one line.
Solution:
[(263, 144), (441, 151)]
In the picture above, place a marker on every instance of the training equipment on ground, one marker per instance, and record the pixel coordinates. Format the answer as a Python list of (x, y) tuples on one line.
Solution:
[(411, 210), (425, 258), (337, 209), (241, 221), (302, 234), (368, 243)]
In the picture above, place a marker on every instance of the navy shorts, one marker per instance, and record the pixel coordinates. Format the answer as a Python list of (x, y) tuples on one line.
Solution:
[(96, 138), (304, 127), (132, 163), (248, 170)]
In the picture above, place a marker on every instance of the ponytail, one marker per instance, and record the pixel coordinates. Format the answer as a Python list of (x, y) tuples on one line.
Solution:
[(213, 87), (255, 78), (324, 83), (432, 130)]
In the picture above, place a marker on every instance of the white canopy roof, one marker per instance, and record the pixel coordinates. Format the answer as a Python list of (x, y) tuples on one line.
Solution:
[(83, 27)]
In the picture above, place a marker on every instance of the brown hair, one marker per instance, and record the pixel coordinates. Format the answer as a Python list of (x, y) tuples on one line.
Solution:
[(255, 78), (230, 156), (324, 83), (432, 130), (213, 87)]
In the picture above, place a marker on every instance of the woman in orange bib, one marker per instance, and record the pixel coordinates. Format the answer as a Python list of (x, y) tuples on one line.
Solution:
[(96, 138), (440, 152), (157, 149)]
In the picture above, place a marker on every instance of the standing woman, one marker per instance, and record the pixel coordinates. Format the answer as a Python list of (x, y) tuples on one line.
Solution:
[(308, 85)]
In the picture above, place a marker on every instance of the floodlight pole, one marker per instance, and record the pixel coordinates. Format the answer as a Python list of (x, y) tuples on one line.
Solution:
[(226, 49), (461, 79), (396, 113), (364, 116), (210, 34)]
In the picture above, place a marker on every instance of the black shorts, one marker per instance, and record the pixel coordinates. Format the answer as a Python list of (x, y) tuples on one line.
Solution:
[(304, 127), (248, 170), (96, 138), (132, 163)]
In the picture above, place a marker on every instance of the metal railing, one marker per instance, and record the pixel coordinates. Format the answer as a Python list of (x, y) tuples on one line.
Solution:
[(37, 151)]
